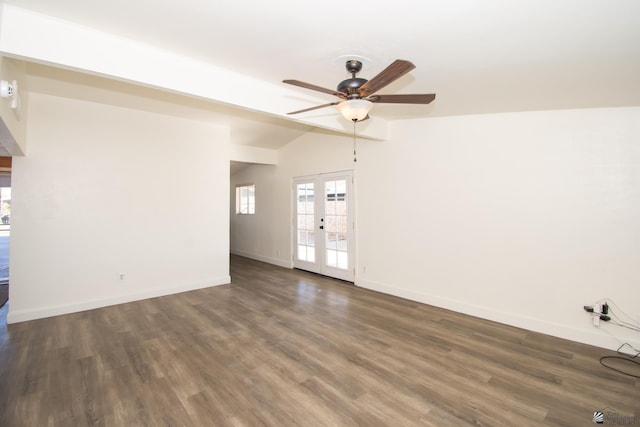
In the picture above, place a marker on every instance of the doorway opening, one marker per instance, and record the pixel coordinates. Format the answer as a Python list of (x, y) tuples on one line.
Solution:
[(5, 227)]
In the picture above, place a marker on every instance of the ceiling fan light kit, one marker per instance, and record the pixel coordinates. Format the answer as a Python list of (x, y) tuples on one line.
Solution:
[(355, 109), (358, 94)]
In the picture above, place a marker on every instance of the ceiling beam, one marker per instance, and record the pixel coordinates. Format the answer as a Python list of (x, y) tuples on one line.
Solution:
[(68, 45)]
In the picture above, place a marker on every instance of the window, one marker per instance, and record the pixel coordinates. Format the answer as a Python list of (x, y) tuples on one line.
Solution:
[(246, 199)]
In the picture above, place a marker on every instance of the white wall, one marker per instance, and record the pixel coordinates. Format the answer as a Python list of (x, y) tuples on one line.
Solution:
[(247, 154), (105, 191), (522, 218)]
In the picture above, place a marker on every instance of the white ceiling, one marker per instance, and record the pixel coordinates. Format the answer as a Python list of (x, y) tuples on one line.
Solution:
[(479, 57)]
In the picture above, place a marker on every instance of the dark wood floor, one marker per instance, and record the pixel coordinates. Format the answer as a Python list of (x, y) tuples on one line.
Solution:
[(279, 347)]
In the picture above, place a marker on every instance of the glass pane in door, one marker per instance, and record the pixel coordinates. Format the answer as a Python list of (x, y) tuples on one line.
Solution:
[(335, 223), (305, 236)]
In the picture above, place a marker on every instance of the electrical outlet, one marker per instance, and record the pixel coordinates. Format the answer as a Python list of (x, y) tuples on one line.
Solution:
[(596, 320), (122, 276)]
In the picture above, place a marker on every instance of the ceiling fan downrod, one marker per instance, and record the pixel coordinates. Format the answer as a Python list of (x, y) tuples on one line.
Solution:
[(351, 85)]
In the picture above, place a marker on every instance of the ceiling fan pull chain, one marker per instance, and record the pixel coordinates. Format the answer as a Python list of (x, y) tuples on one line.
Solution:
[(354, 141)]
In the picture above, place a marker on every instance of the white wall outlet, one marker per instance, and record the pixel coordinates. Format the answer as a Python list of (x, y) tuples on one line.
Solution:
[(121, 276), (596, 320)]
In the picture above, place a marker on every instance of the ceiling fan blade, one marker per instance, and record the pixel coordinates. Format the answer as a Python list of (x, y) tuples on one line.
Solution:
[(314, 87), (403, 99), (397, 69), (314, 108)]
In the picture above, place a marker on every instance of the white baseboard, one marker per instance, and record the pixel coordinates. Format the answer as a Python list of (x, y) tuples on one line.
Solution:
[(14, 316), (268, 260), (591, 336)]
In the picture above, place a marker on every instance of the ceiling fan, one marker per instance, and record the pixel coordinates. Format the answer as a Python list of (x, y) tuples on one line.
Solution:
[(357, 95)]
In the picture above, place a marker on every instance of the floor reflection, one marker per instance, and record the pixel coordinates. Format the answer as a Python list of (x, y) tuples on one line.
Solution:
[(308, 292)]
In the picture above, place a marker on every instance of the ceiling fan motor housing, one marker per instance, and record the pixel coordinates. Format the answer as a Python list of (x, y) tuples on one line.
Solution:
[(351, 86)]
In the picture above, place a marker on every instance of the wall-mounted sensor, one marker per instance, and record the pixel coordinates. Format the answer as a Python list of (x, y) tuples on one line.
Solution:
[(6, 89), (10, 90)]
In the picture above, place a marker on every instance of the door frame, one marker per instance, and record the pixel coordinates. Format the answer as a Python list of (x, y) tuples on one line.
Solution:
[(319, 266)]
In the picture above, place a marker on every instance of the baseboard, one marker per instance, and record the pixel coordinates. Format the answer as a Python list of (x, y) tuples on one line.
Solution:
[(592, 336), (268, 260), (14, 316)]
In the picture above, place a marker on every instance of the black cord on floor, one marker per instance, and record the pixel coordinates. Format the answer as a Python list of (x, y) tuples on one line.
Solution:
[(627, 358)]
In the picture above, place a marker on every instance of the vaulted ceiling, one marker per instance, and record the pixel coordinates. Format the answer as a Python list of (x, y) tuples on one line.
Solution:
[(487, 56)]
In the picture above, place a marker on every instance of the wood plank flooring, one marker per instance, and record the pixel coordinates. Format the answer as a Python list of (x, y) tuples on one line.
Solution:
[(281, 347)]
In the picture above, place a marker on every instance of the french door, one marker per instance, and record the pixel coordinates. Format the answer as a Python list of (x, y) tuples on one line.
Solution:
[(324, 225)]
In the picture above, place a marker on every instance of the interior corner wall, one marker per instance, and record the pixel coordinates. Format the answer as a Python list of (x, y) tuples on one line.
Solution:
[(112, 205), (521, 218)]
